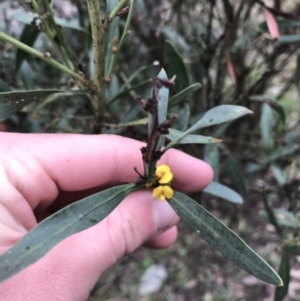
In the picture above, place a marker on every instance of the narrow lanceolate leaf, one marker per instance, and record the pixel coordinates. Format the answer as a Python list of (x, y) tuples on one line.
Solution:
[(112, 36), (292, 247), (27, 18), (222, 238), (273, 103), (278, 174), (297, 74), (284, 218), (12, 102), (163, 98), (190, 139), (72, 219), (28, 37), (284, 273), (216, 116), (162, 106), (266, 125), (233, 172), (223, 192), (126, 91), (219, 115), (4, 87), (183, 95), (212, 157), (183, 114), (289, 38), (177, 66), (270, 214)]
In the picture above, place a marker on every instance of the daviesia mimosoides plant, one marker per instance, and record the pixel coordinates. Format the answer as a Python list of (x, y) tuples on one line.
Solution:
[(88, 211)]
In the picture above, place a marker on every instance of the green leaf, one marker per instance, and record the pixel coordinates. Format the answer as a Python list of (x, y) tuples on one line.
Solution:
[(178, 40), (292, 247), (162, 107), (270, 214), (28, 76), (266, 125), (217, 115), (27, 18), (220, 114), (212, 157), (297, 74), (190, 139), (4, 87), (124, 92), (134, 75), (289, 38), (183, 114), (28, 37), (280, 153), (132, 123), (223, 192), (182, 95), (177, 67), (288, 23), (12, 102), (278, 175), (233, 172), (273, 103), (163, 98), (284, 218), (72, 219), (284, 273), (222, 238), (112, 36)]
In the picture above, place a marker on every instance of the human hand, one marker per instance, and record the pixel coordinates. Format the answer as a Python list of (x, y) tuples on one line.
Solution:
[(41, 173)]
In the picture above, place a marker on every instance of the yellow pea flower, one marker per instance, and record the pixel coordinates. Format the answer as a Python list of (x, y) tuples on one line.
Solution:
[(163, 174), (163, 192)]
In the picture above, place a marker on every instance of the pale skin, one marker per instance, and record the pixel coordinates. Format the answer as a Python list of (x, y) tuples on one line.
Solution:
[(41, 173)]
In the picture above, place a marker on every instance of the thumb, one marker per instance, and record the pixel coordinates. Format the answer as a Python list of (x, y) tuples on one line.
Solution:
[(71, 269)]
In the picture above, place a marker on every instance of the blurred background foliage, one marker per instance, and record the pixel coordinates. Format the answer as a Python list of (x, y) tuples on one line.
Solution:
[(222, 52)]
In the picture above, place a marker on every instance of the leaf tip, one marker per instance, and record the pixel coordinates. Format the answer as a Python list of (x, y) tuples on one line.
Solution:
[(281, 283)]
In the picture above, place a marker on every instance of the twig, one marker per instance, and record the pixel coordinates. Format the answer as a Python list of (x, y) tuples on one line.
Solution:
[(98, 35), (43, 56)]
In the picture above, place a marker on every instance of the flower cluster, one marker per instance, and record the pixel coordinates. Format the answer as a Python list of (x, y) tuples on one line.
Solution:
[(163, 176)]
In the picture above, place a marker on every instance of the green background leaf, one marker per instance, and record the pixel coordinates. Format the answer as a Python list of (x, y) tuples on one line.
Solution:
[(28, 37), (266, 125), (284, 273), (223, 192), (212, 157), (222, 238), (72, 219), (182, 95), (190, 139), (219, 115), (12, 102), (176, 67)]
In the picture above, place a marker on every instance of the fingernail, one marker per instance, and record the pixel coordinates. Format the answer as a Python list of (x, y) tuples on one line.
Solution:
[(164, 215)]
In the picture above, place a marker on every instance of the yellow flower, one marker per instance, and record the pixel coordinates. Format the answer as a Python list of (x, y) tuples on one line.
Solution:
[(163, 192), (163, 174)]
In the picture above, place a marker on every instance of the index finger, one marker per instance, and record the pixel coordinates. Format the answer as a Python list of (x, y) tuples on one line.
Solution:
[(78, 162)]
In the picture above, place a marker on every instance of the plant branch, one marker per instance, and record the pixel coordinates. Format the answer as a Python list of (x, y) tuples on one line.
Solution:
[(116, 9), (43, 56), (98, 35), (123, 37), (61, 37), (49, 32)]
